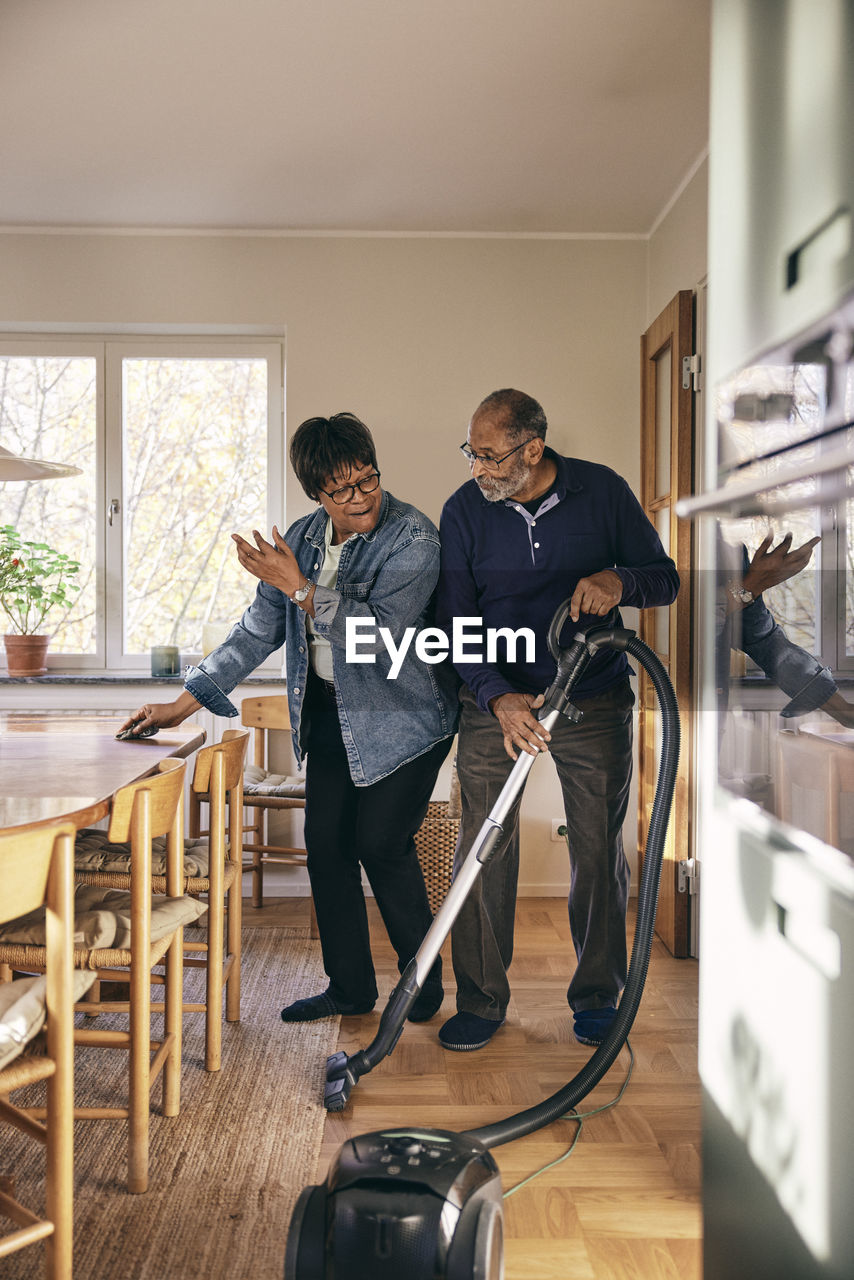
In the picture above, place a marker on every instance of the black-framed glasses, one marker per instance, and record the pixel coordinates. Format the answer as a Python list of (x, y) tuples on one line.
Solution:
[(491, 464), (348, 491)]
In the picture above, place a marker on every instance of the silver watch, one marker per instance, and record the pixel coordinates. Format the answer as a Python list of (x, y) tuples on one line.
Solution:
[(301, 592), (740, 593)]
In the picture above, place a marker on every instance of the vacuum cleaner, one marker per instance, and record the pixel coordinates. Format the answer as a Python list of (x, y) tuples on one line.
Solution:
[(426, 1204)]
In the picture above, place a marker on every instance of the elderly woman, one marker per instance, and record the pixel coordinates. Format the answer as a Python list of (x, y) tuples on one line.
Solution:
[(374, 745)]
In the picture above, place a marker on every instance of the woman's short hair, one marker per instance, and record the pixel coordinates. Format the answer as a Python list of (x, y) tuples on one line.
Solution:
[(322, 446)]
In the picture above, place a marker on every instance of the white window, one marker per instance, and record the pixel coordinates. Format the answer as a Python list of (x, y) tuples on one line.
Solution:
[(180, 443)]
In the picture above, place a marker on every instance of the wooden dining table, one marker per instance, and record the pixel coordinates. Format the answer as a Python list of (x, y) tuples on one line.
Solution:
[(70, 765)]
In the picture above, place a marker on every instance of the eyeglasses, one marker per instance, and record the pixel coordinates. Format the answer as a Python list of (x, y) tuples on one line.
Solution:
[(348, 491), (491, 464)]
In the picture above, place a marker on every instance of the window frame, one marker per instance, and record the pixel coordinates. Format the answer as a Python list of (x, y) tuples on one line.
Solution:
[(108, 350)]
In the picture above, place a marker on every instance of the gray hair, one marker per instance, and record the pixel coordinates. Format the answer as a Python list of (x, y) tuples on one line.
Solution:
[(521, 414)]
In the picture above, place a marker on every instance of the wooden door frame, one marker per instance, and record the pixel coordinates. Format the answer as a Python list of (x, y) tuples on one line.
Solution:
[(673, 328)]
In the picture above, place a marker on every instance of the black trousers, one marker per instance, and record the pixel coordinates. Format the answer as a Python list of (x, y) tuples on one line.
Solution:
[(349, 827)]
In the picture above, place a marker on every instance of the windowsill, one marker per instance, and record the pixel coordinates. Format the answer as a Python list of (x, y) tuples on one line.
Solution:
[(845, 680), (757, 693)]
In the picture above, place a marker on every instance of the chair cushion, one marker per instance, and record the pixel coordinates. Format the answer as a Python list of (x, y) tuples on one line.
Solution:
[(22, 1010), (259, 782), (102, 918), (94, 852)]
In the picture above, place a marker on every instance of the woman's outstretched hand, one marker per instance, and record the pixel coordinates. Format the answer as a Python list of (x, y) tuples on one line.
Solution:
[(152, 716), (272, 562), (769, 566)]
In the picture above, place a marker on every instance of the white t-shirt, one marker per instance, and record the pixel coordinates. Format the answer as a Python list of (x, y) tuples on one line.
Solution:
[(320, 650)]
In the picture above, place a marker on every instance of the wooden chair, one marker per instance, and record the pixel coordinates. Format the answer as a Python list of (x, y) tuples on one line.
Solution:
[(36, 871), (219, 777), (151, 807), (263, 792), (212, 866)]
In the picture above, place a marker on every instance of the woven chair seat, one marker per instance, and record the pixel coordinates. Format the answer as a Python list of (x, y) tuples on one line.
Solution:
[(24, 956), (23, 1011), (260, 782), (270, 790), (101, 929), (97, 861), (25, 1070), (189, 884), (94, 852)]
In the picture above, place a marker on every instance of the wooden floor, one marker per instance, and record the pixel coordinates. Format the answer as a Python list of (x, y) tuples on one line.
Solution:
[(627, 1201)]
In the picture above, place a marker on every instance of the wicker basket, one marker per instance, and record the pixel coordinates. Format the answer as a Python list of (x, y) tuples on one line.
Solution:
[(436, 842)]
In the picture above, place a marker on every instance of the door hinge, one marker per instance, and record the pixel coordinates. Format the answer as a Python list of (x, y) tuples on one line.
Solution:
[(688, 875), (691, 366)]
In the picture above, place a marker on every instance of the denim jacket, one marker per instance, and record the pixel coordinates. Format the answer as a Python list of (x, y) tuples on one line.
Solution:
[(792, 668), (387, 575), (754, 631)]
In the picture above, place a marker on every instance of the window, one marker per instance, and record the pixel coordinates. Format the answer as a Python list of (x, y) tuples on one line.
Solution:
[(180, 443)]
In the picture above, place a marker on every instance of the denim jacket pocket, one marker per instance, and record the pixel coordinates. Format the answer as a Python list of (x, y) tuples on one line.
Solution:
[(355, 590)]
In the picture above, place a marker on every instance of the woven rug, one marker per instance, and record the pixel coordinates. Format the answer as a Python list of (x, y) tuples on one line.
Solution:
[(224, 1174)]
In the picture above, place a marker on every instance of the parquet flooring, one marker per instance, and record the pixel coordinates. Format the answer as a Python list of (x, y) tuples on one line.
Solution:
[(626, 1203)]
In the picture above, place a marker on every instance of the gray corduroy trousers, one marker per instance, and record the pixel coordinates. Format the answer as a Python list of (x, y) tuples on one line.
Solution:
[(594, 764)]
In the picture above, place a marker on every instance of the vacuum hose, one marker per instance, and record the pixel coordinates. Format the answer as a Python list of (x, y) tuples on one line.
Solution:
[(426, 1203), (494, 1135)]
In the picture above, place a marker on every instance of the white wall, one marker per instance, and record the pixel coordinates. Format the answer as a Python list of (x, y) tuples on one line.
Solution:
[(678, 248), (408, 333)]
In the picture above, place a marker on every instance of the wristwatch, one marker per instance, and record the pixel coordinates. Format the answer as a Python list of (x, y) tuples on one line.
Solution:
[(739, 593), (301, 592)]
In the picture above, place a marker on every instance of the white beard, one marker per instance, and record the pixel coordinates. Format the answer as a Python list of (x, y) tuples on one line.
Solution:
[(499, 488)]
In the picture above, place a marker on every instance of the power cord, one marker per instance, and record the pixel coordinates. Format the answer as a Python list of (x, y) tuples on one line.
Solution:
[(580, 1117)]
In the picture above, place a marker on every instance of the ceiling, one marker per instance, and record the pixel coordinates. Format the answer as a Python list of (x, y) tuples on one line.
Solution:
[(410, 116)]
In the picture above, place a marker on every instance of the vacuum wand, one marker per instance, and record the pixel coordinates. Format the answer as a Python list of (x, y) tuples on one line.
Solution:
[(343, 1070), (427, 1202)]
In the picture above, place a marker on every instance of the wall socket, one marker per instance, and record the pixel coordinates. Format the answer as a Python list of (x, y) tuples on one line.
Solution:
[(558, 828)]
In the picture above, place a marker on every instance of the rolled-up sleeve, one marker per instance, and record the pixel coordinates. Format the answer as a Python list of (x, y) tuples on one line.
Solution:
[(260, 632), (797, 672)]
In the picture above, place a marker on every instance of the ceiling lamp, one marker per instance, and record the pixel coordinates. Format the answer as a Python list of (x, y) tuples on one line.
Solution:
[(14, 468)]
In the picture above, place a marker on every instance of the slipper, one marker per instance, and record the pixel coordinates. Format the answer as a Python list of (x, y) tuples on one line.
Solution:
[(592, 1025), (466, 1031)]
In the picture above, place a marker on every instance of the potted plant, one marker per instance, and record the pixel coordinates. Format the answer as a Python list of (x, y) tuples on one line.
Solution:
[(34, 579)]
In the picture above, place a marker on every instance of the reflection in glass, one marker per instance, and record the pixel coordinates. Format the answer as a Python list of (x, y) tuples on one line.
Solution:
[(784, 653), (849, 574)]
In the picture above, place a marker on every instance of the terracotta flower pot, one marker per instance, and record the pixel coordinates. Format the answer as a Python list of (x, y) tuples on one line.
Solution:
[(25, 655)]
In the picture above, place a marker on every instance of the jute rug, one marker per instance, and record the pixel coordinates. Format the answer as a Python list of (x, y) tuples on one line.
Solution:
[(225, 1174)]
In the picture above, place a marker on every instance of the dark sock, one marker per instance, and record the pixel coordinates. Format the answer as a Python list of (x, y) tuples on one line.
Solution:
[(428, 1001), (322, 1006)]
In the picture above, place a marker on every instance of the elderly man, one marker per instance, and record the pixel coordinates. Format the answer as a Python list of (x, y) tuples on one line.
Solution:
[(529, 530)]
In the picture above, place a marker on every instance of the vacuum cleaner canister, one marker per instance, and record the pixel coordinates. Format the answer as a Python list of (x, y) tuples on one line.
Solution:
[(424, 1204)]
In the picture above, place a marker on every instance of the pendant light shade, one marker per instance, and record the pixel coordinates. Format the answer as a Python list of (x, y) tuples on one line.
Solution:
[(14, 468)]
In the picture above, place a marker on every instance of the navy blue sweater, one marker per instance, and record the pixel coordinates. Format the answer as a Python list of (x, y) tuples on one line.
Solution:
[(513, 572)]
